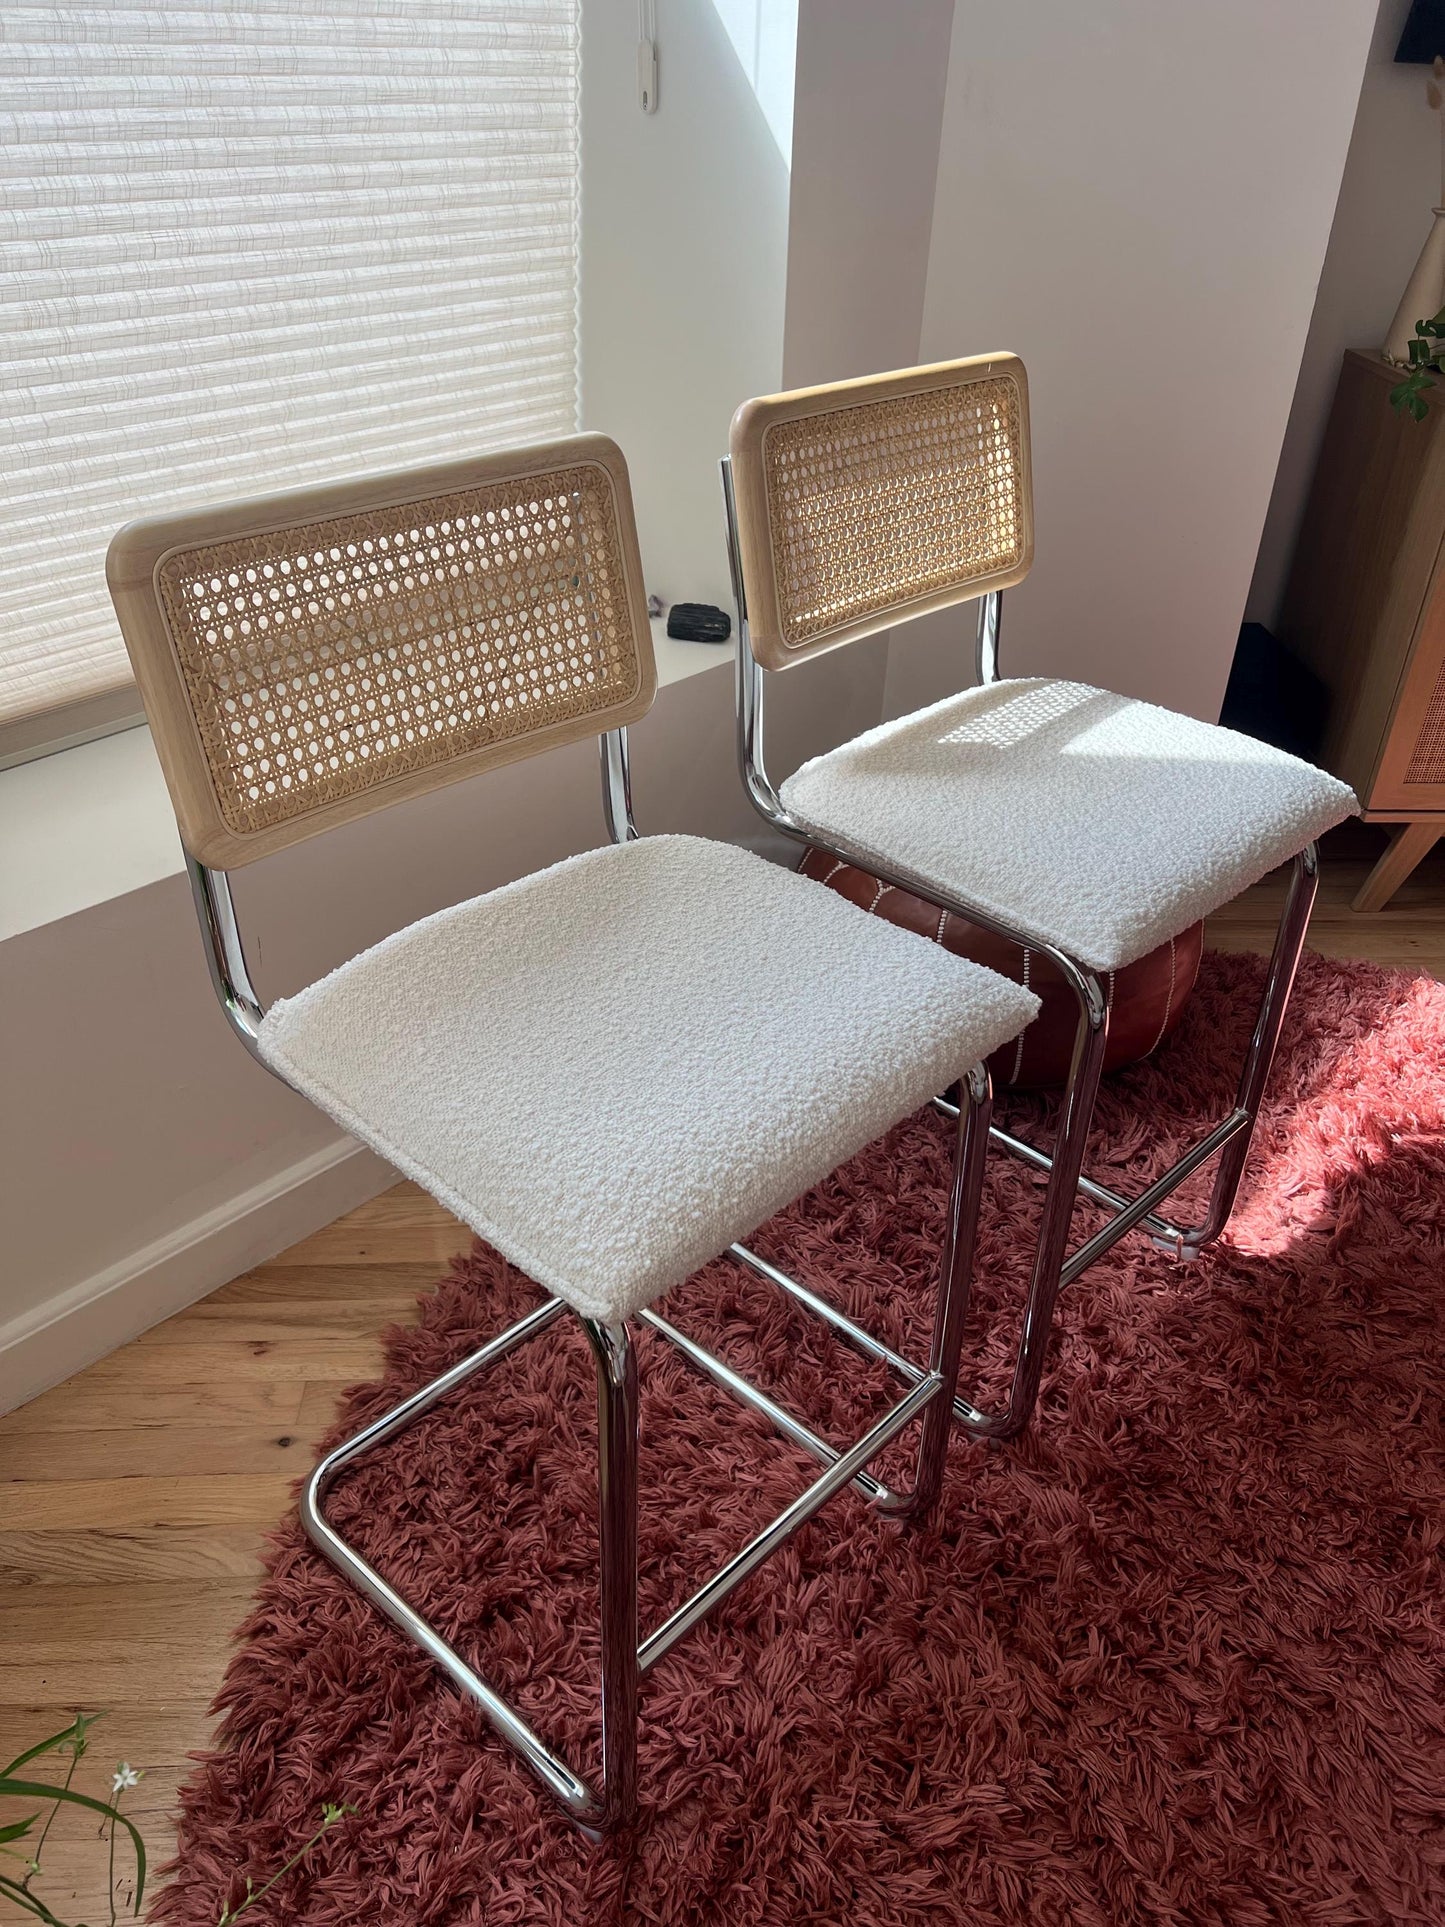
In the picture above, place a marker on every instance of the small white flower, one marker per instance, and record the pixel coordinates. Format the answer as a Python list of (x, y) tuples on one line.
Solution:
[(126, 1776)]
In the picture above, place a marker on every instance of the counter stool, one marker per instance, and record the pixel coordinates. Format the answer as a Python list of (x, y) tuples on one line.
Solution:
[(1080, 823), (611, 1069)]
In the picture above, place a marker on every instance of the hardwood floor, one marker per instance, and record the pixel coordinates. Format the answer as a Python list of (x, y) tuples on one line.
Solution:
[(1409, 934), (136, 1495)]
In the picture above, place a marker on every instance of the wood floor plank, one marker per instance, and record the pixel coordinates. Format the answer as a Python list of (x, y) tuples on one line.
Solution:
[(287, 1360), (154, 1734), (405, 1202), (128, 1452), (104, 1398), (94, 1504), (290, 1325), (321, 1284), (72, 1559), (136, 1615), (343, 1243), (116, 1643), (111, 1673)]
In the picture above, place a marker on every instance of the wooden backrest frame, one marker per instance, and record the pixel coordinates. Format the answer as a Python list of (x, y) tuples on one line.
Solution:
[(568, 599), (914, 507)]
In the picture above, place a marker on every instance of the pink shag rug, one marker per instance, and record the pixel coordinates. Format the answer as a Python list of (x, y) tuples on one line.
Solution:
[(1175, 1657)]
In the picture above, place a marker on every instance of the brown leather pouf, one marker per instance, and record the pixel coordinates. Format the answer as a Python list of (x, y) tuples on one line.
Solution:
[(1146, 998)]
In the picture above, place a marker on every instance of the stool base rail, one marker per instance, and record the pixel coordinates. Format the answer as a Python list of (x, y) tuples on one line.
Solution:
[(930, 1398), (625, 1658)]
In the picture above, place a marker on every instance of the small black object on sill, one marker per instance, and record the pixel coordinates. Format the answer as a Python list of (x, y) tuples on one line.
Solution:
[(698, 622)]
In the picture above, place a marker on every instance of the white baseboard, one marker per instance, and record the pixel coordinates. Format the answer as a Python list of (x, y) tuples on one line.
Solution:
[(48, 1343)]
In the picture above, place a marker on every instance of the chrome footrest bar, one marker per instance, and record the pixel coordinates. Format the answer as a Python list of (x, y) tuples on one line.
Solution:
[(777, 1416), (1147, 1219), (848, 1466), (859, 1339), (851, 1334), (1088, 1187), (1138, 1210)]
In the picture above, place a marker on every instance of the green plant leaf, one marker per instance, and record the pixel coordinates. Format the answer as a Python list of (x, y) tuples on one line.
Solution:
[(1408, 396), (74, 1733), (18, 1829), (37, 1790), (32, 1903)]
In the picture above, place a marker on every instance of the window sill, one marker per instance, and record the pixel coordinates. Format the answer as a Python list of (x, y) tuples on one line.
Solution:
[(82, 826), (94, 822), (676, 660)]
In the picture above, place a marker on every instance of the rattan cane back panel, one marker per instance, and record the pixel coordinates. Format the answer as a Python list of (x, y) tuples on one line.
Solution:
[(333, 664), (1427, 758), (875, 500)]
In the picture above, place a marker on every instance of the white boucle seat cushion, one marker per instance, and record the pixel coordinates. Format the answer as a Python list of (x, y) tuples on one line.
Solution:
[(613, 1069), (1082, 819)]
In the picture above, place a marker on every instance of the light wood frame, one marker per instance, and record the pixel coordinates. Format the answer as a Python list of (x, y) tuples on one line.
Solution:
[(139, 552), (759, 419), (1364, 608)]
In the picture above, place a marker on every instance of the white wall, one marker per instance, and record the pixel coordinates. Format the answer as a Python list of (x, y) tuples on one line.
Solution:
[(867, 114), (1135, 195), (1391, 179), (684, 258), (868, 111)]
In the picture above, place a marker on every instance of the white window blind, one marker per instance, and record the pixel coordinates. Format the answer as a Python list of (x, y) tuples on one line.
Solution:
[(255, 243)]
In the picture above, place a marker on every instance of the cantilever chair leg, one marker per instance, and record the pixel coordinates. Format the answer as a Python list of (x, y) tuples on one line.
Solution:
[(617, 1539), (955, 1276), (625, 1659), (1284, 963), (1054, 1267), (1060, 1196)]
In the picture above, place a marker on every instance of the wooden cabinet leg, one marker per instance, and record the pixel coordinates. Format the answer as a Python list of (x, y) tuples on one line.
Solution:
[(1409, 846)]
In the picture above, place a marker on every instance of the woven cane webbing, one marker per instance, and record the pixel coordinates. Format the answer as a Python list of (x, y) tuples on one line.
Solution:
[(326, 659), (876, 506), (1427, 758)]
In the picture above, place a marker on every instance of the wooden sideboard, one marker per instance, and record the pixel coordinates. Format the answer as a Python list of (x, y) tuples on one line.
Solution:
[(1365, 608)]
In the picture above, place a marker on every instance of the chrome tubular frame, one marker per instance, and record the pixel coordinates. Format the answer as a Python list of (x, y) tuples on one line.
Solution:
[(225, 957), (1053, 1264), (990, 622), (626, 1657), (617, 786)]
